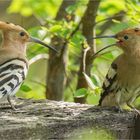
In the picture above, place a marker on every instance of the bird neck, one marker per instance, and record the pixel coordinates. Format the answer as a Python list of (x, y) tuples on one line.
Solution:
[(132, 55), (15, 45)]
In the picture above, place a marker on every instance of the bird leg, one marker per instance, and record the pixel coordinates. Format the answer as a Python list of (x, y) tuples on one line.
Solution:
[(132, 107), (129, 103), (118, 109), (9, 100)]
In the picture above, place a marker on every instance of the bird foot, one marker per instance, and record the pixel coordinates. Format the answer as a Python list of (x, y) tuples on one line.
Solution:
[(136, 111), (118, 109), (16, 110), (13, 107), (8, 108), (24, 99)]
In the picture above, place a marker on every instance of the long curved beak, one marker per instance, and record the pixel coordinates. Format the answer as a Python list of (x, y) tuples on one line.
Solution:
[(32, 39), (110, 36), (106, 36), (104, 49)]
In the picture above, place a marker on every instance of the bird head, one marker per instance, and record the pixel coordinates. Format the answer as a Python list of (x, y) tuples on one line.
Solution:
[(128, 40), (15, 36)]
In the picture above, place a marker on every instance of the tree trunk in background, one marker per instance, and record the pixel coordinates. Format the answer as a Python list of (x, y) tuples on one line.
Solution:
[(56, 78), (88, 23)]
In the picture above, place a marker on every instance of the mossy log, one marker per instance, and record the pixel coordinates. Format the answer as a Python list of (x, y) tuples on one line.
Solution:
[(47, 119)]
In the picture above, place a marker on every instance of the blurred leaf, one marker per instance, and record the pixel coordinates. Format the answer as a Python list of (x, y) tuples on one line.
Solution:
[(95, 79), (25, 88), (91, 85), (71, 9), (110, 7), (80, 93), (56, 28), (115, 21), (40, 8), (98, 90), (89, 81)]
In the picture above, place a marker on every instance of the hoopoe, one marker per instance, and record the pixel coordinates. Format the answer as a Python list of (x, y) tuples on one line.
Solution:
[(13, 61), (122, 83)]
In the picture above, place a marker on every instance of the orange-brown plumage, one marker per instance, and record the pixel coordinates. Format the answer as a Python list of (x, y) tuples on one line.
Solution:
[(10, 26), (122, 83), (12, 38)]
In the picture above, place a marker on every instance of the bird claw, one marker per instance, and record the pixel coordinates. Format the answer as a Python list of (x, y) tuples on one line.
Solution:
[(24, 99), (17, 110), (118, 109), (136, 111), (13, 108)]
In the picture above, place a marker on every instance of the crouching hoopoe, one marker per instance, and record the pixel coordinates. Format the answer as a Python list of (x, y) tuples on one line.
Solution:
[(122, 83), (13, 61)]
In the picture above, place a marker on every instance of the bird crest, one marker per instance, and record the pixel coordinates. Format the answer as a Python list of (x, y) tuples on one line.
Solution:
[(134, 31), (10, 26)]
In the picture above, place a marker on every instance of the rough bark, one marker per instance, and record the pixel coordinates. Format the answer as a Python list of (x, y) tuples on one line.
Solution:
[(60, 120), (56, 78), (88, 22)]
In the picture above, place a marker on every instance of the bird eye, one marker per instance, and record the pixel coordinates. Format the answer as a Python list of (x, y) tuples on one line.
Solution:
[(136, 30), (22, 33), (125, 37)]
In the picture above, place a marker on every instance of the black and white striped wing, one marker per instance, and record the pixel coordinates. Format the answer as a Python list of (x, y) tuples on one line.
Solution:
[(109, 83), (12, 74)]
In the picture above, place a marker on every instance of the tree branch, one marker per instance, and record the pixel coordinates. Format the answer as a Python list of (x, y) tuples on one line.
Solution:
[(38, 57), (118, 16), (88, 22), (56, 78), (84, 58)]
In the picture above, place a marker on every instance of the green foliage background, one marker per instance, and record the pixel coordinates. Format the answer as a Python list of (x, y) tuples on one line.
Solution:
[(45, 11)]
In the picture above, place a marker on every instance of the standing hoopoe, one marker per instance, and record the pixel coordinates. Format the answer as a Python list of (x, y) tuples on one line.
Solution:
[(13, 62), (122, 83)]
